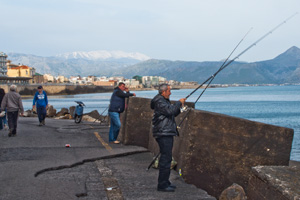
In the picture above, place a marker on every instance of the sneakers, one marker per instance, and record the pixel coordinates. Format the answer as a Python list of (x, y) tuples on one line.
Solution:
[(167, 189), (43, 122), (115, 142), (40, 124)]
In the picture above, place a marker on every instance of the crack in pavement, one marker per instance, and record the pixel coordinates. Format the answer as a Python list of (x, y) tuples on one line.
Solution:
[(88, 160)]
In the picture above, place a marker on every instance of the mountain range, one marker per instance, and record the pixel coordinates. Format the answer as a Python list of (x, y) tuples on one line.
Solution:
[(285, 68)]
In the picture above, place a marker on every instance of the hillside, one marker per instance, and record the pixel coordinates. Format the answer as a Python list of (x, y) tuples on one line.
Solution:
[(285, 68)]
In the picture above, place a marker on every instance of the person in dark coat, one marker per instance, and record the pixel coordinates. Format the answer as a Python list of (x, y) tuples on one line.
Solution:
[(117, 106), (2, 93), (164, 128), (12, 101)]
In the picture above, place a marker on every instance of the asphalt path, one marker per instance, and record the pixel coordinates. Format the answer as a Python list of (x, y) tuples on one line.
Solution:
[(38, 164)]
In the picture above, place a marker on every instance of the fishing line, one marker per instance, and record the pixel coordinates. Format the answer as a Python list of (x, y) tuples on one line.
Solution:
[(228, 63), (255, 43)]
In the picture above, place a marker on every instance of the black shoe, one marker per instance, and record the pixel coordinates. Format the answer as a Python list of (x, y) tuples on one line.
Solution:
[(168, 189), (172, 186), (10, 133)]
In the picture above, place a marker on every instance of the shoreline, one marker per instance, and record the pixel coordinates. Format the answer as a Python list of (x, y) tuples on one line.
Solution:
[(28, 91)]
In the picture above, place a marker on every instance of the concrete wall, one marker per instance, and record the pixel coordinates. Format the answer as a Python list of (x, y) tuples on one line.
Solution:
[(60, 89), (213, 150), (274, 182)]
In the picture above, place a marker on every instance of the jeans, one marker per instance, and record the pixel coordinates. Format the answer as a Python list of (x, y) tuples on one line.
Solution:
[(41, 111), (165, 145), (12, 121), (115, 125), (3, 121)]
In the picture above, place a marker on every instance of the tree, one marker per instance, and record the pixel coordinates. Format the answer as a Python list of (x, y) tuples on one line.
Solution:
[(138, 78)]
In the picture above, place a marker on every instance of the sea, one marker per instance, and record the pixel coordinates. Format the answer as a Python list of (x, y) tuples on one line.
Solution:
[(276, 105)]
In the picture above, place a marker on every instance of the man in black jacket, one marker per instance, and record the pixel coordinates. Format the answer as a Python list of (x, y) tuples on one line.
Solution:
[(117, 106), (163, 129)]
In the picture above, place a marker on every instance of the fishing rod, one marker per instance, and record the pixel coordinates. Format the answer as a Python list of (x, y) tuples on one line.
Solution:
[(255, 43), (221, 68), (211, 79), (225, 65), (201, 94)]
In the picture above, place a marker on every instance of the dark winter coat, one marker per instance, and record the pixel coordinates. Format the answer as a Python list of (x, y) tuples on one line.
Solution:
[(163, 121), (117, 100)]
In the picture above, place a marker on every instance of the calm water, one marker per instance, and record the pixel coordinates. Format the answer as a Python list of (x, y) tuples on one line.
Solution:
[(277, 105)]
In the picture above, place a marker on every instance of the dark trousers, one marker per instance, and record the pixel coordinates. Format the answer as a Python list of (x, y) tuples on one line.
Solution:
[(165, 145), (41, 111), (12, 121)]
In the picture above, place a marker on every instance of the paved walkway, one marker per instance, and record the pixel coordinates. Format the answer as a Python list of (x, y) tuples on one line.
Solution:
[(36, 165)]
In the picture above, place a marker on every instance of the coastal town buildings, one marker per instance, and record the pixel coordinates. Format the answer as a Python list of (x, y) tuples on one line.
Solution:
[(49, 78), (61, 79), (19, 70), (149, 81), (3, 66), (10, 73)]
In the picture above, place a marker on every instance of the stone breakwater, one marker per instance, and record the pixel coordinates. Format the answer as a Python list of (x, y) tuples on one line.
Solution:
[(68, 113), (60, 89)]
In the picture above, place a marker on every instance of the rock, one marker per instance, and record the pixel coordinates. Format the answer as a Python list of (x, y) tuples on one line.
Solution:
[(88, 118), (29, 113), (71, 111), (233, 192), (51, 112), (62, 112), (94, 114)]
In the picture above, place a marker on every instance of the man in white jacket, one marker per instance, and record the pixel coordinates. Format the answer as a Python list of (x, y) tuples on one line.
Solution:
[(13, 103)]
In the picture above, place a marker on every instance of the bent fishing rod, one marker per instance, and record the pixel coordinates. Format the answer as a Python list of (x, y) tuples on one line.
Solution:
[(211, 79), (255, 43), (221, 68), (156, 157), (225, 65)]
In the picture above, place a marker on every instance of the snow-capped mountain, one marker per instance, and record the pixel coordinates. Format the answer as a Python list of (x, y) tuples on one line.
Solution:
[(98, 63), (103, 55)]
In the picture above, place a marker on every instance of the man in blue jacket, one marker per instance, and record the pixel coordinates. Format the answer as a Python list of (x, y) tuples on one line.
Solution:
[(164, 128), (41, 100), (117, 106)]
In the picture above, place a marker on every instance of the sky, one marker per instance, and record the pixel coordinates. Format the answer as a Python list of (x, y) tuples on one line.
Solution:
[(189, 30)]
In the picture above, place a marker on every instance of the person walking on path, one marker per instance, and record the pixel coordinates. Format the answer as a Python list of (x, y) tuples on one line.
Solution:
[(117, 106), (164, 129), (2, 93), (12, 102), (40, 101), (3, 119)]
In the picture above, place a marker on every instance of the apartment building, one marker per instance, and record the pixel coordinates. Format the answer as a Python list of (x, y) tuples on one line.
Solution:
[(3, 64)]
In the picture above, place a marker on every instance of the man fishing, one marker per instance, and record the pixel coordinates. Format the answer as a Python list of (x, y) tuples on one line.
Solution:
[(163, 129), (117, 106)]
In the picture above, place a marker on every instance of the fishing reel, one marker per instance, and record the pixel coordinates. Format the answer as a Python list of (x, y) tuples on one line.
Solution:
[(184, 108)]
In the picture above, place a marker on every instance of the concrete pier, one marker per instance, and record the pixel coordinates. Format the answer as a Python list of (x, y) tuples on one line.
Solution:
[(36, 164)]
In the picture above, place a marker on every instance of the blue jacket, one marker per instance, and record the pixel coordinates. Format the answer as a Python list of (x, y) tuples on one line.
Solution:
[(117, 100), (41, 100)]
